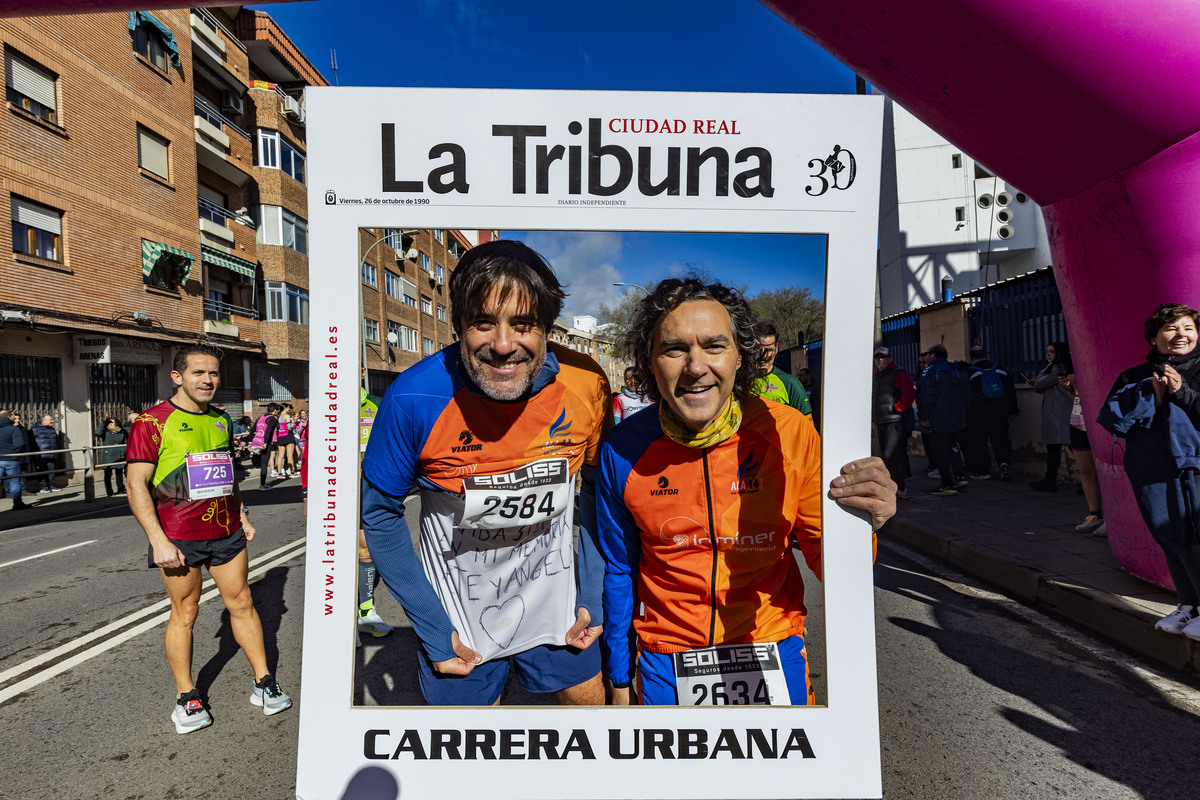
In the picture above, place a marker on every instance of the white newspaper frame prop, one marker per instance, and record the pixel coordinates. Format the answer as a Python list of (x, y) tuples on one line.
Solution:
[(401, 158)]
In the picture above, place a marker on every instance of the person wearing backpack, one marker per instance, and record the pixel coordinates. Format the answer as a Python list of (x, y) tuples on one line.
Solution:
[(993, 405)]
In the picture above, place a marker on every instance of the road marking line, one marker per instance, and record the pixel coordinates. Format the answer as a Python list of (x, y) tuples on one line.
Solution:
[(292, 551), (48, 553)]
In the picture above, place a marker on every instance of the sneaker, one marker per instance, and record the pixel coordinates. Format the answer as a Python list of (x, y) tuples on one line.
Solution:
[(1005, 473), (945, 491), (933, 473), (265, 487), (979, 476), (1192, 629), (44, 490), (961, 483), (189, 714), (1090, 523), (902, 494), (1178, 619), (274, 473), (370, 622), (56, 488), (1102, 530), (268, 695)]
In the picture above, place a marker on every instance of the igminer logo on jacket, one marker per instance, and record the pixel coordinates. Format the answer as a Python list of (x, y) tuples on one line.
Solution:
[(466, 447), (746, 481)]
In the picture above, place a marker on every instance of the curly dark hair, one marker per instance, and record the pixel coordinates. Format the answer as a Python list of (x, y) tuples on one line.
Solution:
[(669, 295), (1165, 315)]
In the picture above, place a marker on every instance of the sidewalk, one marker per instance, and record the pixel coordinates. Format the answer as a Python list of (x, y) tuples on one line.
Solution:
[(1025, 542), (58, 505)]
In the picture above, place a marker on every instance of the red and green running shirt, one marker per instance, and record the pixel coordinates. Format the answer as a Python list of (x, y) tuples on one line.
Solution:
[(193, 475)]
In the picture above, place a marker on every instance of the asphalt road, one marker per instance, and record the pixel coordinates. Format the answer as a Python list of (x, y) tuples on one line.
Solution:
[(979, 697)]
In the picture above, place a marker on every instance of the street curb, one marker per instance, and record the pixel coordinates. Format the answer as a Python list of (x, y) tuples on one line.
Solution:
[(1105, 614), (64, 509)]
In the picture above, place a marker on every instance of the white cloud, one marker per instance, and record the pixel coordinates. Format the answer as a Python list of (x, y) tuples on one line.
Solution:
[(586, 264)]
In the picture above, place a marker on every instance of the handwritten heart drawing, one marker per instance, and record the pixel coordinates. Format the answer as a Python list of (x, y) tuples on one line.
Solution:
[(500, 622)]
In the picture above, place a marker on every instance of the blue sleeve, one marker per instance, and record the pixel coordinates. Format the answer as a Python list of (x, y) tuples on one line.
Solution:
[(926, 388), (1131, 406), (591, 562), (620, 542), (391, 547)]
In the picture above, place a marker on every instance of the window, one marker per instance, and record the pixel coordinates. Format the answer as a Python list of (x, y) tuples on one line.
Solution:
[(148, 42), (439, 234), (441, 274), (391, 284), (405, 337), (426, 305), (36, 230), (287, 303), (427, 346), (29, 86), (441, 312), (370, 275), (153, 153), (956, 161), (276, 152), (960, 214), (277, 225), (394, 238), (370, 329), (425, 263), (410, 293)]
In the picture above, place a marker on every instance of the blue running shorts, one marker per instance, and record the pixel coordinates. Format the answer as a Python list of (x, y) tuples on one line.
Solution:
[(542, 669)]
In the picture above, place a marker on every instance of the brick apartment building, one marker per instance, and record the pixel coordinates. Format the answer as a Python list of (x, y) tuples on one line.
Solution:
[(152, 164), (405, 299)]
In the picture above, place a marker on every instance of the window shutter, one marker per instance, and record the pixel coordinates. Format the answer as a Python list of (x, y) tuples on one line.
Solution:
[(30, 80), (40, 217), (152, 153)]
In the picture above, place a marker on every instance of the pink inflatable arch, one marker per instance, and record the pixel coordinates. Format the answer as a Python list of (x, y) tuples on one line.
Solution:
[(1092, 107)]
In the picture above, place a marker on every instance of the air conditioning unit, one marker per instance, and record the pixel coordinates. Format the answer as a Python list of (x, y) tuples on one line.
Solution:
[(291, 108), (232, 103), (441, 281)]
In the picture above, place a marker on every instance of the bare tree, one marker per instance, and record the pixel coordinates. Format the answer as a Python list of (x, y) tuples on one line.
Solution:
[(793, 311)]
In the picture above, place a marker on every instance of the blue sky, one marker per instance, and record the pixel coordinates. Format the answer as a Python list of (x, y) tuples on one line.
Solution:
[(719, 46)]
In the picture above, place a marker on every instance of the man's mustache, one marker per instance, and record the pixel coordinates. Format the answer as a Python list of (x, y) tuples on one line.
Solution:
[(490, 358)]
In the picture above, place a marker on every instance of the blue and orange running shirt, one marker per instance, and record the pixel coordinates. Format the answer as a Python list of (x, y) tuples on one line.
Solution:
[(193, 476), (698, 541), (496, 483)]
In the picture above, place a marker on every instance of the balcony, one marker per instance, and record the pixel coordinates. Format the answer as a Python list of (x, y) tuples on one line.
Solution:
[(213, 145), (212, 44)]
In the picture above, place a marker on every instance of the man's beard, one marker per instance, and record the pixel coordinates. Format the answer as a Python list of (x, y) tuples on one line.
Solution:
[(515, 386)]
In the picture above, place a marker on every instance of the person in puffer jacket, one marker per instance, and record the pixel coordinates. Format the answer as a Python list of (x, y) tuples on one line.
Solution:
[(1155, 406)]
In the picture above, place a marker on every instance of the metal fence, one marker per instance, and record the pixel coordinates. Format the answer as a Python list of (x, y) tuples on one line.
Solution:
[(902, 337), (1014, 321), (118, 389)]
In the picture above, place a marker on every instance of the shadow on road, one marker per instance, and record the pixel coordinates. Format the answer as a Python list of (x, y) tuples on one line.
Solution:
[(1078, 697), (268, 601)]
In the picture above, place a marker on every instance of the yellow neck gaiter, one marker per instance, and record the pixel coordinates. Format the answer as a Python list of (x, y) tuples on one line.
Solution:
[(720, 429)]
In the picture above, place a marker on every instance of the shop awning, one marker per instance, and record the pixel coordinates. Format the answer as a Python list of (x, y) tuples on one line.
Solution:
[(179, 261), (239, 265)]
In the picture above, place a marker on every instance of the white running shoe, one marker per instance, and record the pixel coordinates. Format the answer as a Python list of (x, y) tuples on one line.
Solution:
[(1179, 620), (1090, 523), (1192, 629), (370, 622), (268, 695), (189, 714)]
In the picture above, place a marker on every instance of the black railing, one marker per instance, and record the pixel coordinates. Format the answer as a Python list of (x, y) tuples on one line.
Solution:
[(219, 311), (209, 112)]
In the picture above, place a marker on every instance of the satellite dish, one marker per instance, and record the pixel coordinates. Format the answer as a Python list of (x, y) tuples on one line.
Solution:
[(412, 254), (393, 339)]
